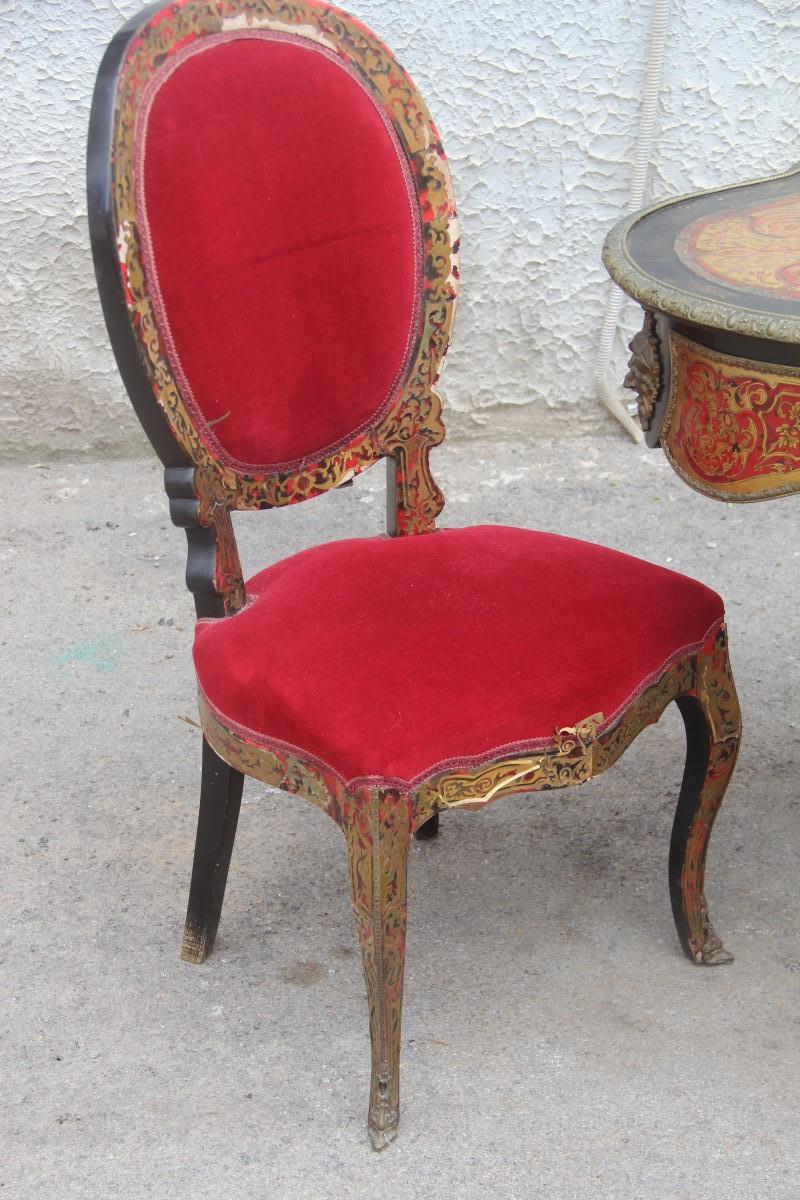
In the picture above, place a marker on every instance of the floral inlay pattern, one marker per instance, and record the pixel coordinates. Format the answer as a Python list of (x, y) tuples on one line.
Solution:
[(755, 249), (733, 426)]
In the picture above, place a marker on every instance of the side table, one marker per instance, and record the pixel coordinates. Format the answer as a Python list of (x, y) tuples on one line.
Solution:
[(717, 363)]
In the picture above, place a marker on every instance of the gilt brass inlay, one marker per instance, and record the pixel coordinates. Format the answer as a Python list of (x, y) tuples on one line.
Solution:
[(732, 428), (756, 249)]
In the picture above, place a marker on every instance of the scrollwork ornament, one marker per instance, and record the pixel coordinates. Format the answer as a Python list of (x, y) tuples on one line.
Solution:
[(732, 426), (216, 492), (567, 760), (644, 368)]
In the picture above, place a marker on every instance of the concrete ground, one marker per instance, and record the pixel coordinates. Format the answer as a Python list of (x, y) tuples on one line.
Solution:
[(555, 1044)]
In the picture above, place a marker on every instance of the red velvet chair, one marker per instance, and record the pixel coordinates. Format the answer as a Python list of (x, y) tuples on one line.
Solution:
[(275, 241)]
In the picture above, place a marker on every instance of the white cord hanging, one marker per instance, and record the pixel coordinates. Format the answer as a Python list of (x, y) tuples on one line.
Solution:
[(659, 21)]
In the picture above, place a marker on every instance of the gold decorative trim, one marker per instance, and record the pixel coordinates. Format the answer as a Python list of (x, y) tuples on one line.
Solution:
[(413, 425), (289, 770), (716, 693), (568, 760), (378, 839), (576, 754), (732, 425), (213, 493)]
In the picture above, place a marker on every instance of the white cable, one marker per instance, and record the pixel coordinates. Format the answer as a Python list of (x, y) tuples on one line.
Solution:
[(659, 21)]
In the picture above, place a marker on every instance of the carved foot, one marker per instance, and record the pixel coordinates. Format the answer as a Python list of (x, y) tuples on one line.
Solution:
[(383, 1123), (711, 953), (715, 956)]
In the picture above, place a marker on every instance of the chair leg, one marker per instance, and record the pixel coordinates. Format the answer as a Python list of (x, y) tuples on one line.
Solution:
[(430, 829), (220, 798), (378, 838), (713, 731)]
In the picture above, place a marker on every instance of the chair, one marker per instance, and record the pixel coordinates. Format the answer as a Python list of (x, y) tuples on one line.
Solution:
[(275, 242)]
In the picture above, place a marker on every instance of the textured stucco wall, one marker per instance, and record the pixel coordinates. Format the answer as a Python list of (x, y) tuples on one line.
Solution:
[(537, 103)]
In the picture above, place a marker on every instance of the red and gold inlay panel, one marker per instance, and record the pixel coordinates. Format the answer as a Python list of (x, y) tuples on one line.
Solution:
[(732, 428), (756, 249)]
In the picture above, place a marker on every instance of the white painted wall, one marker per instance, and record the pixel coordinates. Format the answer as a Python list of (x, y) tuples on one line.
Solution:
[(537, 104)]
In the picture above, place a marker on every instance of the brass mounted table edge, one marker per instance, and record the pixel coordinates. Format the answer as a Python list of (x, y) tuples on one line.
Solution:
[(659, 296)]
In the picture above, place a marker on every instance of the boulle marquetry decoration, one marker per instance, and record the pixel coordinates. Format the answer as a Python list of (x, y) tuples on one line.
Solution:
[(752, 249), (732, 429), (274, 347), (717, 364)]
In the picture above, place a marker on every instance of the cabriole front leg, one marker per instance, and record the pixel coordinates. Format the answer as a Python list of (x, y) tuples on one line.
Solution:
[(713, 731), (378, 833)]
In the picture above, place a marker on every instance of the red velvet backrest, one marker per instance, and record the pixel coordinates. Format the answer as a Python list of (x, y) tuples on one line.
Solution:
[(287, 238)]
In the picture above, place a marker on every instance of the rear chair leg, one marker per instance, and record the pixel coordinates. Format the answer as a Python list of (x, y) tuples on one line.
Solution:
[(378, 834), (713, 731), (220, 798)]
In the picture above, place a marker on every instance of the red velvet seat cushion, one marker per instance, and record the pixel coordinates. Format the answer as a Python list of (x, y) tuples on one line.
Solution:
[(390, 657), (280, 230)]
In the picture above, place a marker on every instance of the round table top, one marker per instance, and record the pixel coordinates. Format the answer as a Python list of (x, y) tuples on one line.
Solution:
[(727, 258)]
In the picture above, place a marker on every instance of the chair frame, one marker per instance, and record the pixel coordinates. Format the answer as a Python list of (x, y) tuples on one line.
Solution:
[(378, 821)]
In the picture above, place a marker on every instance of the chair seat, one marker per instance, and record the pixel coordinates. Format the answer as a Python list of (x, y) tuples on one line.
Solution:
[(389, 659)]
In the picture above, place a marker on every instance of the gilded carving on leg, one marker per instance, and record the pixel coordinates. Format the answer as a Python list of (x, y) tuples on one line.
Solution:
[(378, 835), (717, 691), (644, 369)]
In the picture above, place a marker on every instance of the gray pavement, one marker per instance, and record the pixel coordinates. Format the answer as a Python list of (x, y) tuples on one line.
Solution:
[(555, 1042)]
